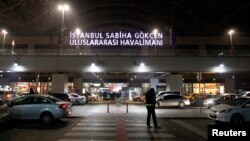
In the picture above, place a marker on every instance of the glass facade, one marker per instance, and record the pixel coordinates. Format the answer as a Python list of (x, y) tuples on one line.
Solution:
[(204, 88)]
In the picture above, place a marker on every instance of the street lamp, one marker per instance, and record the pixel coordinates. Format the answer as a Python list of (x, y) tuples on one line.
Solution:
[(78, 31), (155, 31), (63, 8), (4, 32), (231, 32)]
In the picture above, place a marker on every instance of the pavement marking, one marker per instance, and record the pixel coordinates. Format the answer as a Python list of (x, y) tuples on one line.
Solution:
[(96, 124), (93, 128), (135, 124), (140, 121), (83, 140), (130, 129), (96, 121), (121, 129), (84, 134), (121, 133), (152, 134), (191, 128)]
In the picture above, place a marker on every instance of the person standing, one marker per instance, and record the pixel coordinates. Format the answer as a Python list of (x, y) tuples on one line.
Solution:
[(31, 91), (150, 104)]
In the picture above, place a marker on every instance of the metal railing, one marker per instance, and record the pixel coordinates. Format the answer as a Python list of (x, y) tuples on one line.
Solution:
[(126, 52)]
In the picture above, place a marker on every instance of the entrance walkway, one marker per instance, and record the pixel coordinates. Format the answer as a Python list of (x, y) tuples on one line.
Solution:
[(136, 110), (122, 124)]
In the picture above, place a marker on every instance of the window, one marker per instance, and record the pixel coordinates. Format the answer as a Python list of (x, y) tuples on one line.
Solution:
[(40, 100), (171, 97), (28, 100)]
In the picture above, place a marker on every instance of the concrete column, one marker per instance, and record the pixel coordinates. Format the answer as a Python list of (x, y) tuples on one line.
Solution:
[(153, 83), (229, 85), (174, 83), (202, 50), (30, 49), (78, 85), (59, 83)]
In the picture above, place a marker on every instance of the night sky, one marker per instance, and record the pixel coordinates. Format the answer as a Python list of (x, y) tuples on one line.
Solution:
[(186, 17)]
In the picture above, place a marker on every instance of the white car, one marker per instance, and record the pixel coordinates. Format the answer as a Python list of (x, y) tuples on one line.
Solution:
[(3, 109), (78, 99), (246, 94), (43, 107), (172, 100), (218, 99), (234, 111), (161, 93)]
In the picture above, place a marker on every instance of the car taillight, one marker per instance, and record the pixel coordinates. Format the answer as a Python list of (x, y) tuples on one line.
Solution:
[(63, 106)]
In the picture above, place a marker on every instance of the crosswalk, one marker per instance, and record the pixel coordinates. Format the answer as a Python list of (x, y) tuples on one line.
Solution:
[(115, 129)]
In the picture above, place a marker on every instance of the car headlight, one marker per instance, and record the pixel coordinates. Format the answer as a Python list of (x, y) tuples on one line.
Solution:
[(225, 111)]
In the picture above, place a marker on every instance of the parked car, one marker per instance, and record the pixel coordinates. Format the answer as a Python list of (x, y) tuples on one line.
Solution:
[(7, 95), (234, 111), (218, 99), (64, 97), (167, 92), (198, 99), (42, 107), (139, 98), (3, 109), (23, 94), (78, 99), (246, 94), (172, 101), (91, 97)]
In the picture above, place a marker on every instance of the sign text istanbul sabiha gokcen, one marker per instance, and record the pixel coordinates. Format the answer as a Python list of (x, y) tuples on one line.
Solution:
[(116, 39)]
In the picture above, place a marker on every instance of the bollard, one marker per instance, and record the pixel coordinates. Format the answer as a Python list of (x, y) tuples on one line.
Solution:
[(107, 107), (127, 107)]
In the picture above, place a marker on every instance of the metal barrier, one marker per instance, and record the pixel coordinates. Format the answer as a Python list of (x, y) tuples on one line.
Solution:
[(117, 103)]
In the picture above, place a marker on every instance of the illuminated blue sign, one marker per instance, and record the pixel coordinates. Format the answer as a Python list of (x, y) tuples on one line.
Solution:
[(116, 39)]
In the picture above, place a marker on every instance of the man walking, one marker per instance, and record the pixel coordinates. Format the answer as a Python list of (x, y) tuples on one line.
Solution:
[(150, 104)]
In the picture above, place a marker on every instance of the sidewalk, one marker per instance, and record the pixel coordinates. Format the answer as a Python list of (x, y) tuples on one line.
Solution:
[(136, 110)]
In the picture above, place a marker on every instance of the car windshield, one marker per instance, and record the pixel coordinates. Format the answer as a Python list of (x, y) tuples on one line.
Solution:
[(236, 102)]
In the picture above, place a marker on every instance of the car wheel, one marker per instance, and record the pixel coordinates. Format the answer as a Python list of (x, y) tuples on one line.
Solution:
[(236, 119), (46, 118), (77, 103), (182, 105), (157, 105)]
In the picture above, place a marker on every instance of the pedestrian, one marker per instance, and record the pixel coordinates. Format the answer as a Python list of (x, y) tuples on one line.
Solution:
[(150, 104), (31, 91)]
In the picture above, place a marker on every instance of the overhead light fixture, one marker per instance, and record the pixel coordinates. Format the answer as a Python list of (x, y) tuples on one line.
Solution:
[(142, 64), (16, 63), (93, 64)]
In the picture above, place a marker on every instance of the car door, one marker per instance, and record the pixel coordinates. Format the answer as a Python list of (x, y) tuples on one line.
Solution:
[(174, 100), (19, 108), (169, 100), (40, 104)]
